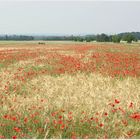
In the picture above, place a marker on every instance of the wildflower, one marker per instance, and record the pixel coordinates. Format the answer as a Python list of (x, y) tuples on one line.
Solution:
[(63, 126), (117, 101), (123, 111), (55, 122), (101, 125), (60, 122), (25, 120), (36, 121), (60, 117), (2, 137), (13, 118), (92, 118), (14, 137), (70, 117), (6, 116), (17, 129), (73, 137), (70, 113), (53, 114), (131, 105), (111, 104), (125, 122), (105, 113), (135, 116), (114, 110), (29, 129), (130, 133)]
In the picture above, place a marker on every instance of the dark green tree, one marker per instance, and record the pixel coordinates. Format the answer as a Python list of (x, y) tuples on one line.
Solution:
[(129, 38), (116, 39), (102, 38)]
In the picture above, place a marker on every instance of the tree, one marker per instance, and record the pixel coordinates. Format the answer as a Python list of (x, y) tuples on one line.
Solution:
[(116, 38), (129, 38), (80, 39), (102, 38), (89, 38)]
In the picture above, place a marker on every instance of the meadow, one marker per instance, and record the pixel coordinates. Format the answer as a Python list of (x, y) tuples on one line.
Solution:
[(69, 90)]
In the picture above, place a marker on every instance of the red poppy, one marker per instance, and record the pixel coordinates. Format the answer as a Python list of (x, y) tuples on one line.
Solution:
[(111, 104), (70, 117), (70, 112), (73, 137), (2, 137), (105, 113), (63, 126), (60, 122), (25, 120), (14, 118), (6, 116), (14, 137), (131, 105), (17, 129), (135, 116), (53, 114), (101, 125), (54, 121), (60, 117), (117, 101)]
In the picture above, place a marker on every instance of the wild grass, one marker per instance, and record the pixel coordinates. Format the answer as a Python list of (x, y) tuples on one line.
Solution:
[(38, 104)]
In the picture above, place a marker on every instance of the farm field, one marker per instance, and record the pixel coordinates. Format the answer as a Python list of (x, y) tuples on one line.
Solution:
[(69, 90)]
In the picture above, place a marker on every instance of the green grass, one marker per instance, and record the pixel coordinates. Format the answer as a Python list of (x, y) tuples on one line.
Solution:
[(1, 66), (3, 42)]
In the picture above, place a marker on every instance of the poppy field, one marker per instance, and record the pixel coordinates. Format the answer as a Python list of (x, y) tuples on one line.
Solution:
[(69, 90)]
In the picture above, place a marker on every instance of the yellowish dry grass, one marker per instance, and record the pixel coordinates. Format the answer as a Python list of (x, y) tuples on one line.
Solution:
[(77, 93), (87, 92), (81, 92)]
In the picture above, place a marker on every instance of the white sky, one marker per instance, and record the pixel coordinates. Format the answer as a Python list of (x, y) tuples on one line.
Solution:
[(69, 17)]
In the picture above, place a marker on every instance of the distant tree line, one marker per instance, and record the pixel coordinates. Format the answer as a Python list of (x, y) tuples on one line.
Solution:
[(128, 37), (16, 37), (53, 38)]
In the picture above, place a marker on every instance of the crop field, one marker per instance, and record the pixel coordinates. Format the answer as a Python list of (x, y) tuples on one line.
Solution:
[(69, 90)]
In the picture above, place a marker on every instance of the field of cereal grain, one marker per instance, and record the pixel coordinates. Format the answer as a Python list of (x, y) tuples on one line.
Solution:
[(69, 90)]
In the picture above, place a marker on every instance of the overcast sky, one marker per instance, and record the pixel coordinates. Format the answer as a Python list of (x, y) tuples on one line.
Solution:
[(73, 17)]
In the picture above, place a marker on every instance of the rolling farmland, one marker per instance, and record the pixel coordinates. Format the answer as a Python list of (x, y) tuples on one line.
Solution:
[(69, 90)]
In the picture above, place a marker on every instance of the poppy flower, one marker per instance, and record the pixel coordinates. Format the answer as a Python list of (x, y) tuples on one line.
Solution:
[(25, 120), (2, 137), (14, 137), (131, 105), (14, 118), (135, 116), (105, 113), (60, 117), (101, 125), (117, 101), (60, 122), (63, 126), (17, 129)]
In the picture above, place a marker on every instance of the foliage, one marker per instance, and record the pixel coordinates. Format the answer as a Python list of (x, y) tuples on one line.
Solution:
[(102, 38), (116, 39), (129, 38), (16, 37)]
